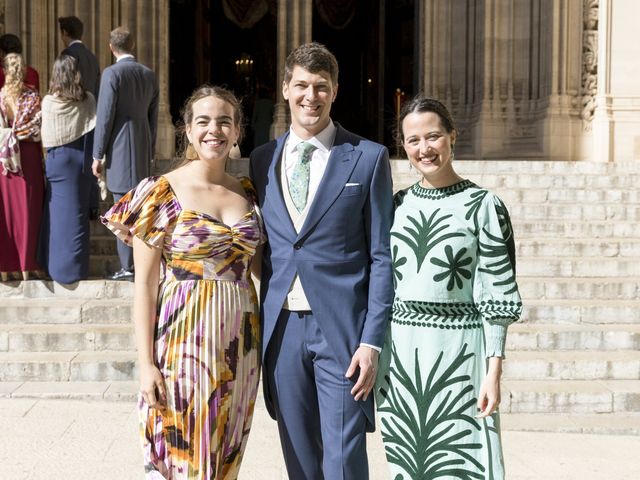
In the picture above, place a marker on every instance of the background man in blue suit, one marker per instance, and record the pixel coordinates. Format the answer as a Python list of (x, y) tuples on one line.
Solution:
[(326, 287), (126, 126)]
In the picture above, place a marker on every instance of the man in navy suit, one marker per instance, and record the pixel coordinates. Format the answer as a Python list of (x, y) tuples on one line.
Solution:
[(71, 29), (326, 200), (126, 126)]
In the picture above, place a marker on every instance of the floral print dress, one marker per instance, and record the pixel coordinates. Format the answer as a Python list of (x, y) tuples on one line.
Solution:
[(455, 293), (207, 332)]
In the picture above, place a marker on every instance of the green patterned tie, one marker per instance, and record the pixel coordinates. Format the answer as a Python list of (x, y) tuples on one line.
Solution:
[(299, 184)]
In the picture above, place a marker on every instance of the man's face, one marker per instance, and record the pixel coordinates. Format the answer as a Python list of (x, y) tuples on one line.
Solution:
[(65, 38), (310, 96)]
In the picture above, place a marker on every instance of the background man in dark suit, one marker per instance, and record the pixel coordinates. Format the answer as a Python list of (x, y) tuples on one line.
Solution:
[(126, 126), (71, 33), (326, 200)]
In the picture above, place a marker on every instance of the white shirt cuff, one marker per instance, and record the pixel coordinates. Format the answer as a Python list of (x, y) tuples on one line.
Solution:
[(377, 349)]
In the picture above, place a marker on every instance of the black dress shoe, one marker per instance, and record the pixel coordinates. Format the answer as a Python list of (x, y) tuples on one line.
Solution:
[(122, 274)]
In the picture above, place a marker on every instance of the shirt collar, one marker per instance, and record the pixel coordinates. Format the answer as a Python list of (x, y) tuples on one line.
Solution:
[(123, 56), (74, 41), (322, 141)]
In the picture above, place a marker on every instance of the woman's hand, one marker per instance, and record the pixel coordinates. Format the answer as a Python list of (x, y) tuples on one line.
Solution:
[(152, 386), (489, 396)]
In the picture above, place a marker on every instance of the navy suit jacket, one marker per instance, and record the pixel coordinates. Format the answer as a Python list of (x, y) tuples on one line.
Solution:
[(87, 65), (126, 123), (342, 251)]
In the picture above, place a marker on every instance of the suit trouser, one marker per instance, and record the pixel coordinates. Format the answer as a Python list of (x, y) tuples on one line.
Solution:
[(321, 427), (125, 253)]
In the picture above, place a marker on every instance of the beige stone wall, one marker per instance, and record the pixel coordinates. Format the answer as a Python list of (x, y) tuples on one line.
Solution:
[(526, 79), (616, 123)]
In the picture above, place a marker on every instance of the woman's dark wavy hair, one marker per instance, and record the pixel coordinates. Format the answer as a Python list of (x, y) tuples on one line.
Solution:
[(422, 104), (65, 79)]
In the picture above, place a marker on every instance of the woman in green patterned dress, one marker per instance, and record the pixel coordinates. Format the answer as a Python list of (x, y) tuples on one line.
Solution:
[(453, 251)]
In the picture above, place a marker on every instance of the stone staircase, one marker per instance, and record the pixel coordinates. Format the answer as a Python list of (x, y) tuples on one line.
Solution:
[(573, 361)]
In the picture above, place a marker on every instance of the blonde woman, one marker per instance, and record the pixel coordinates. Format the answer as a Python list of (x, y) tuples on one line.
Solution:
[(22, 190)]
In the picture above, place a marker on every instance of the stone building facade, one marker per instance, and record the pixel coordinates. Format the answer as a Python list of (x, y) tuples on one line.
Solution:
[(541, 79)]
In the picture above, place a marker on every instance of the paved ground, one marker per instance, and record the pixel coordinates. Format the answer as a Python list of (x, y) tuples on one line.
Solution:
[(84, 439)]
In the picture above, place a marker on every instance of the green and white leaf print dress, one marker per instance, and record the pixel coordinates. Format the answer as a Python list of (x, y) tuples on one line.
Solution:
[(455, 294)]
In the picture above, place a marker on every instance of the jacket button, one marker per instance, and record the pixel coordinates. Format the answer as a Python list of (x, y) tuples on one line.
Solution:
[(297, 246)]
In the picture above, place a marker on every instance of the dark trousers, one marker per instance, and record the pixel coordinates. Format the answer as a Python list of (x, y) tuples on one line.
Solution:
[(125, 253), (321, 426)]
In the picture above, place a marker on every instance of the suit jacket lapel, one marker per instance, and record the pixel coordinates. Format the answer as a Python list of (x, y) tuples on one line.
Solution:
[(273, 192), (342, 161)]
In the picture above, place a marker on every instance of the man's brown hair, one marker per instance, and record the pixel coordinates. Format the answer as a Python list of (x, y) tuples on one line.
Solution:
[(313, 57)]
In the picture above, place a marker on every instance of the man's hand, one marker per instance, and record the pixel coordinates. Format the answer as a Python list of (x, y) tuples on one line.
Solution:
[(96, 167), (366, 360)]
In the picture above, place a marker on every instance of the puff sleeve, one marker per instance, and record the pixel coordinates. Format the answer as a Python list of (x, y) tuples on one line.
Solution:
[(495, 290), (147, 212)]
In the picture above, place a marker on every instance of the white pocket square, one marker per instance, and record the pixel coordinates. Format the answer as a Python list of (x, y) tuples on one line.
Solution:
[(351, 184)]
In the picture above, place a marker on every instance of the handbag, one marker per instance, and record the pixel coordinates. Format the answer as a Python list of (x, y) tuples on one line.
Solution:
[(9, 147)]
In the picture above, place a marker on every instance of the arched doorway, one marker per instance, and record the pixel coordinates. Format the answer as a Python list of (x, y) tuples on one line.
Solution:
[(234, 43), (374, 44), (227, 43)]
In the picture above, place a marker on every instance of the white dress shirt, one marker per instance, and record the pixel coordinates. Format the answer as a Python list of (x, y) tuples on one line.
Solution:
[(296, 299), (323, 142)]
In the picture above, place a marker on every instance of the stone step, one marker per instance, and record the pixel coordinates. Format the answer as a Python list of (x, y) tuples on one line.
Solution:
[(617, 423), (542, 230), (578, 267), (120, 337), (66, 338), (126, 391), (577, 247), (534, 167), (525, 247), (120, 365), (67, 366), (524, 180), (64, 311), (582, 311), (572, 365), (531, 288), (570, 396), (575, 212), (103, 245), (118, 310), (603, 288), (549, 337), (101, 266), (86, 289), (518, 397), (589, 423)]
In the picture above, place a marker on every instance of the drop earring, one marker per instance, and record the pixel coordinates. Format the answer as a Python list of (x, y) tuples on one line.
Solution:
[(190, 153)]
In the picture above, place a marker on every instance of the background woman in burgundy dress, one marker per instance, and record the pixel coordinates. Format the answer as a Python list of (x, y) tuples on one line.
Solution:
[(21, 192)]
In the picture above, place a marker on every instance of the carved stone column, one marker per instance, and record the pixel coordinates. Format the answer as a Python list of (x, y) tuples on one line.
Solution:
[(294, 29)]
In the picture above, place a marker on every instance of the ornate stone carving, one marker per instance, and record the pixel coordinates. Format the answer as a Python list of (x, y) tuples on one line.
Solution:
[(589, 85)]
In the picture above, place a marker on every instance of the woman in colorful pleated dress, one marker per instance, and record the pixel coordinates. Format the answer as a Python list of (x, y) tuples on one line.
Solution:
[(452, 245), (196, 235)]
